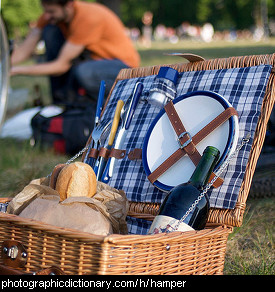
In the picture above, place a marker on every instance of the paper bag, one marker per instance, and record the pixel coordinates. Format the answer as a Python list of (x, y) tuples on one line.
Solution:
[(103, 214)]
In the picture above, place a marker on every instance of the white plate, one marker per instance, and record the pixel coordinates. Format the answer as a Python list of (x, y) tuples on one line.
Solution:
[(196, 110)]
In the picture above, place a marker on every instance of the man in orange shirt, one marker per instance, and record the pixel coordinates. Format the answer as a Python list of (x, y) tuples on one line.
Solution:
[(85, 43)]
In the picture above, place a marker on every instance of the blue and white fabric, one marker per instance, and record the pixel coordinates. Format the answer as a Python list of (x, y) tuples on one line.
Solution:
[(244, 88)]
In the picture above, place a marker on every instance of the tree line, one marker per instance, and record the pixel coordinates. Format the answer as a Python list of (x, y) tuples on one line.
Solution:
[(222, 14)]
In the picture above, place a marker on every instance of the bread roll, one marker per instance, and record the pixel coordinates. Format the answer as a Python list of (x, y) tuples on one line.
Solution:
[(76, 180), (55, 174)]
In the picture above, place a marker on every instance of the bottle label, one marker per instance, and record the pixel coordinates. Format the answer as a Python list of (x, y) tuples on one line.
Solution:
[(164, 223)]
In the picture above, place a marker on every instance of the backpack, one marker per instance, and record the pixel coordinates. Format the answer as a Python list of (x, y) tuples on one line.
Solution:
[(65, 133)]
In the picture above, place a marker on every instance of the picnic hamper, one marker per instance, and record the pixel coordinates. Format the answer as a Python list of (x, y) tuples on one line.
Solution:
[(192, 252)]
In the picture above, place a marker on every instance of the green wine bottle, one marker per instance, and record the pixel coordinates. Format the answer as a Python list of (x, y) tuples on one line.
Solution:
[(180, 199)]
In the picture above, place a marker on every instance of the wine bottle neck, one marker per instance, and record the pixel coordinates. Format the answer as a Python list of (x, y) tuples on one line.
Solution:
[(205, 167)]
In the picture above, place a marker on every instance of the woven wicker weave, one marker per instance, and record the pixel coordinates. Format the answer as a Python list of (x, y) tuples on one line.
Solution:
[(193, 252)]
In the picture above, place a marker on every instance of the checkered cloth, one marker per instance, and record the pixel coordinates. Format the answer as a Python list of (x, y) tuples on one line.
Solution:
[(244, 88)]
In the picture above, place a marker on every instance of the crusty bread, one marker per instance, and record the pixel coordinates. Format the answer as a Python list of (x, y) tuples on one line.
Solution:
[(76, 180)]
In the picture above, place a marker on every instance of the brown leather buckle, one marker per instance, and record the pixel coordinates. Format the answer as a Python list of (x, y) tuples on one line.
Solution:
[(185, 143), (14, 254)]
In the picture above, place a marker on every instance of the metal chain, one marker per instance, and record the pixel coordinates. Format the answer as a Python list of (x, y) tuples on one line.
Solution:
[(74, 157), (209, 185), (77, 155)]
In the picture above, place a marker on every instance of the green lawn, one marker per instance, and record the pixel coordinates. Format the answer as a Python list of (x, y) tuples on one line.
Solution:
[(250, 248), (215, 49)]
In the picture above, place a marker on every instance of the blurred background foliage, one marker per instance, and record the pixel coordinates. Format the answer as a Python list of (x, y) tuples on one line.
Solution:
[(222, 14)]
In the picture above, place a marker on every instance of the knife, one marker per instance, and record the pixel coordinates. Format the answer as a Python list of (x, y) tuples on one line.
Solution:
[(108, 171), (101, 162)]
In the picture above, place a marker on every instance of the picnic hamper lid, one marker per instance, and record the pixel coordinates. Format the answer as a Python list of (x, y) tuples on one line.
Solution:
[(232, 217), (259, 66)]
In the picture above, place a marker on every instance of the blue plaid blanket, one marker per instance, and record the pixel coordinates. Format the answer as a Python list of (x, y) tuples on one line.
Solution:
[(244, 88)]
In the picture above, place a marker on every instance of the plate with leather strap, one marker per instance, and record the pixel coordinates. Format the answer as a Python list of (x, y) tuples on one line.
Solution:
[(195, 110)]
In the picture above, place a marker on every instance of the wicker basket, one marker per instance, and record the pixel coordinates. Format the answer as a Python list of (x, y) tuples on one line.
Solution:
[(193, 252), (74, 252)]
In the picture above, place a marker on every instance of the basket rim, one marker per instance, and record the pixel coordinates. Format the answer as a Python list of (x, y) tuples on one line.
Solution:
[(206, 64), (74, 234), (51, 229)]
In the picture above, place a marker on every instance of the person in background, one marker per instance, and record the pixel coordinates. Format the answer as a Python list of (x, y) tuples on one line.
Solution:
[(147, 30), (85, 43)]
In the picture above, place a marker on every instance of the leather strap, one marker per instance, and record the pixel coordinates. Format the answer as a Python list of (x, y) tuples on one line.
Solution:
[(5, 270), (184, 137), (93, 153), (117, 153), (219, 120), (104, 152), (190, 148), (135, 154)]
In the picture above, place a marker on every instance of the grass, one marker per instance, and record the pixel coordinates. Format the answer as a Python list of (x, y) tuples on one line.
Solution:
[(20, 163), (212, 50), (250, 248)]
